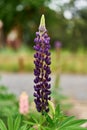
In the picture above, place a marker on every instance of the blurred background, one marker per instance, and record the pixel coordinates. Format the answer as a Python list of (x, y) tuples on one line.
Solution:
[(66, 22), (67, 18)]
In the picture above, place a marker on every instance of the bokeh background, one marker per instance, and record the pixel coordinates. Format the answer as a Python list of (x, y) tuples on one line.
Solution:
[(66, 22)]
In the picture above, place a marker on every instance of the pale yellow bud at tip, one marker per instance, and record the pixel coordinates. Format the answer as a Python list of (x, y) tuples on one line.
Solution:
[(42, 21)]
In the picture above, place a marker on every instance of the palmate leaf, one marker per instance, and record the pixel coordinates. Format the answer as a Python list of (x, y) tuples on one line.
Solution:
[(35, 120), (10, 123), (13, 125), (2, 125), (67, 121), (17, 122), (72, 124)]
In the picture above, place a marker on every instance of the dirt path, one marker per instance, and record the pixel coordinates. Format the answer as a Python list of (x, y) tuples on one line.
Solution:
[(74, 86)]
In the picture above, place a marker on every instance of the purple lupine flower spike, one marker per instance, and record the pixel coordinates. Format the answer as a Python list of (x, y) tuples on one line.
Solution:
[(42, 69)]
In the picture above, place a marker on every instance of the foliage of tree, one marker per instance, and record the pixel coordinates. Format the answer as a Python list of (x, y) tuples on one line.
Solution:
[(25, 14)]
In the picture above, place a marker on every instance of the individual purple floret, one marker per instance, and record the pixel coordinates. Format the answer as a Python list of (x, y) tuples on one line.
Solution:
[(42, 69)]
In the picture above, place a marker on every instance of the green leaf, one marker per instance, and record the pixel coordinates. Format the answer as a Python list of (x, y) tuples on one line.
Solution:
[(30, 123), (2, 125), (17, 123), (72, 128), (77, 122), (24, 127), (70, 122), (34, 119), (31, 128), (10, 123), (47, 128), (66, 121), (48, 119), (57, 110)]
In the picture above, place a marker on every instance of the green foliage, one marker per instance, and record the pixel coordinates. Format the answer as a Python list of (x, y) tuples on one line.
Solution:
[(55, 120), (8, 102), (58, 121), (2, 125), (5, 95), (72, 32), (10, 123), (13, 124), (13, 13), (17, 123)]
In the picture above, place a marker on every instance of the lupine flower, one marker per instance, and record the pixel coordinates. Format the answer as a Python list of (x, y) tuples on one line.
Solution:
[(42, 69), (23, 103)]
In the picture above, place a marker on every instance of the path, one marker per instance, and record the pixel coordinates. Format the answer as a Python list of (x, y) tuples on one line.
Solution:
[(72, 85)]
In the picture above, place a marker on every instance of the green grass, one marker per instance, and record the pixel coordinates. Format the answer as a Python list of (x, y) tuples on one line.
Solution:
[(74, 62), (68, 63)]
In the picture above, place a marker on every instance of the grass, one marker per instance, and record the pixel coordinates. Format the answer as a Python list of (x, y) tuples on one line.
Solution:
[(74, 62), (22, 60)]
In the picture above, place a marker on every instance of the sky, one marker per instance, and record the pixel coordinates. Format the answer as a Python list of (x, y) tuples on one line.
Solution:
[(67, 14)]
